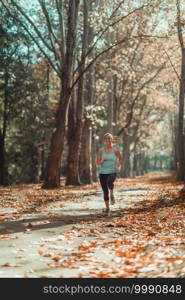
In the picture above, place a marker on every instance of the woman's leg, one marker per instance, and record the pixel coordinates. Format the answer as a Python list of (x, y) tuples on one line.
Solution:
[(110, 182), (103, 182)]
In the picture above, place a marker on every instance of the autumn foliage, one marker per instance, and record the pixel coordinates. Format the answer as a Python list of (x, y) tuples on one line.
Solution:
[(70, 236)]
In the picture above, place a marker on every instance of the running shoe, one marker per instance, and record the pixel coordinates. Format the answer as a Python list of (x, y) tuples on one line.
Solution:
[(112, 199), (107, 211)]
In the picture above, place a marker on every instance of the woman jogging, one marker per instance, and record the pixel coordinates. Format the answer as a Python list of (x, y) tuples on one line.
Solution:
[(107, 158)]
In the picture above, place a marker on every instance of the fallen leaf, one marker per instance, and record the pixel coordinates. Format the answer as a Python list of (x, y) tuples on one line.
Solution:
[(57, 257), (11, 265)]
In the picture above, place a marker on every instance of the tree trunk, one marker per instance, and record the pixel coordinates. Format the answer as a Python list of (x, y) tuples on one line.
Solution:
[(73, 173), (180, 135), (136, 171), (115, 105), (125, 170), (42, 160), (52, 179), (3, 168), (94, 150), (43, 137), (72, 140), (86, 155), (110, 106), (2, 160), (34, 166), (57, 142)]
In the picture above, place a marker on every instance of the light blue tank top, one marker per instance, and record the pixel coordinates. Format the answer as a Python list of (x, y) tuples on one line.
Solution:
[(109, 164)]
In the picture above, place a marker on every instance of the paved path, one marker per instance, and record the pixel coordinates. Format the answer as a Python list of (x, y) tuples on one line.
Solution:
[(68, 239), (74, 239)]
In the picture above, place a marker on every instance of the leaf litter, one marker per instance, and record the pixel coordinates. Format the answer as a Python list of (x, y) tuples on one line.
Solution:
[(145, 238)]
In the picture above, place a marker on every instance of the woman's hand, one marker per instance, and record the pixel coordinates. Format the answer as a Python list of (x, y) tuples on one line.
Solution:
[(102, 160), (118, 169)]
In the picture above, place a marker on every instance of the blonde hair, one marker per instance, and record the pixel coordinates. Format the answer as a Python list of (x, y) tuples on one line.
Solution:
[(108, 134)]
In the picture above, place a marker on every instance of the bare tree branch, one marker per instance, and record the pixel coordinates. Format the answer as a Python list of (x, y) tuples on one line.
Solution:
[(116, 9), (43, 6), (32, 24), (32, 37), (50, 30), (172, 64), (102, 32), (59, 7), (130, 116), (108, 49), (179, 27)]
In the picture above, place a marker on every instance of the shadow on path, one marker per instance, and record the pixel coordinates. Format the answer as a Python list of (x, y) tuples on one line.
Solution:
[(67, 216), (45, 222)]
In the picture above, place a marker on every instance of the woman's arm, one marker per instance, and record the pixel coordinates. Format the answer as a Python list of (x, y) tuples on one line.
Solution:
[(118, 155), (100, 159)]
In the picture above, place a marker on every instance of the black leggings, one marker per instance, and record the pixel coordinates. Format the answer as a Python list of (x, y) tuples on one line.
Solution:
[(106, 181)]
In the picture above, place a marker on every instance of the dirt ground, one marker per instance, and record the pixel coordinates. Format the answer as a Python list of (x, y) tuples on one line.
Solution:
[(64, 233)]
